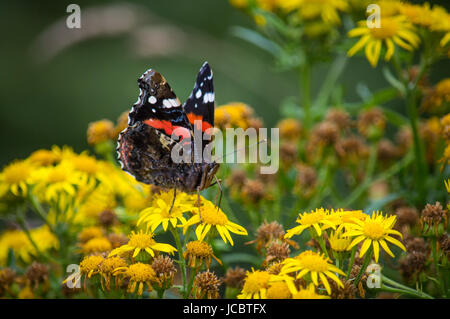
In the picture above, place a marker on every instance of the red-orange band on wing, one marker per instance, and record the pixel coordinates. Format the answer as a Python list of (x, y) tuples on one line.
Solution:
[(194, 117)]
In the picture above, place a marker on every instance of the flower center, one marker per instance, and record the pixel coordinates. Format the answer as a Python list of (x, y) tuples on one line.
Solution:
[(57, 175), (90, 263), (373, 229), (111, 263), (388, 29), (213, 217), (140, 272), (313, 261), (199, 248), (141, 240), (256, 281)]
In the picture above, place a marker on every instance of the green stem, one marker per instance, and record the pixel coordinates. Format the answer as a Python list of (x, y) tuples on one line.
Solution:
[(436, 266), (322, 245), (366, 262), (191, 282), (352, 260), (417, 144), (305, 90), (39, 210), (404, 289), (181, 260)]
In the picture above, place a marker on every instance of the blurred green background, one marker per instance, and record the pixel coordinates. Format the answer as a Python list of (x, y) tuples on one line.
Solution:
[(55, 80)]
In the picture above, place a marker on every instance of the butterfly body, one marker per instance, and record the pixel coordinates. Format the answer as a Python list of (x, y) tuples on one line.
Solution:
[(157, 122)]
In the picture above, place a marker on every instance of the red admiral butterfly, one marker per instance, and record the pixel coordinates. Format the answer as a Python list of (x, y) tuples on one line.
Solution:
[(145, 146)]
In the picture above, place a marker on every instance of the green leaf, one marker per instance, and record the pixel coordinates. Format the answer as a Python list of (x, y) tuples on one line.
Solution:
[(394, 81), (256, 39)]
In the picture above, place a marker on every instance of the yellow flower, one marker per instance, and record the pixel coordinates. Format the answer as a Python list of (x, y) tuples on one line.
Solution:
[(198, 252), (18, 241), (320, 219), (393, 30), (317, 265), (159, 213), (326, 10), (139, 273), (54, 181), (337, 242), (212, 216), (447, 185), (100, 131), (308, 293), (96, 245), (235, 114), (89, 266), (89, 233), (16, 178), (278, 290), (255, 285), (142, 242), (239, 3), (86, 164), (43, 157), (107, 268), (375, 231)]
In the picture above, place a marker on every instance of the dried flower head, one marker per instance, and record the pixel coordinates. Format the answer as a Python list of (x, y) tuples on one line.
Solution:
[(351, 149), (206, 285), (276, 251), (386, 151), (306, 179), (234, 277), (371, 123), (199, 252), (117, 240), (37, 273), (346, 292), (165, 270), (404, 140), (433, 216), (339, 117), (407, 216), (412, 264), (266, 233), (253, 191), (237, 179), (107, 218), (288, 154), (7, 277)]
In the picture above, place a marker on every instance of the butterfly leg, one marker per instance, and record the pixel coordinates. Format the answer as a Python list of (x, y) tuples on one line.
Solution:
[(218, 182), (173, 201)]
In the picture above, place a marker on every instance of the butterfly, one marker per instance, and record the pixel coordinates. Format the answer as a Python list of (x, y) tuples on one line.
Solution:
[(157, 122)]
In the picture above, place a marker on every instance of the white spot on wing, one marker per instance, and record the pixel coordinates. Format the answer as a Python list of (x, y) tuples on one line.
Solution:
[(152, 99), (208, 97), (167, 103), (198, 94), (174, 102)]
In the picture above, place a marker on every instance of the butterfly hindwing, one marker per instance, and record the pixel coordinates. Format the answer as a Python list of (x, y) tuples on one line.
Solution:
[(200, 104)]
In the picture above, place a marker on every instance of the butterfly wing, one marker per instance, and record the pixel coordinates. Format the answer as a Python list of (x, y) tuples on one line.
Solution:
[(200, 104), (158, 106)]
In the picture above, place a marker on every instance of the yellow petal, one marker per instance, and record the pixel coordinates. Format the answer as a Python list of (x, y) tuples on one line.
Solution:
[(365, 246)]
